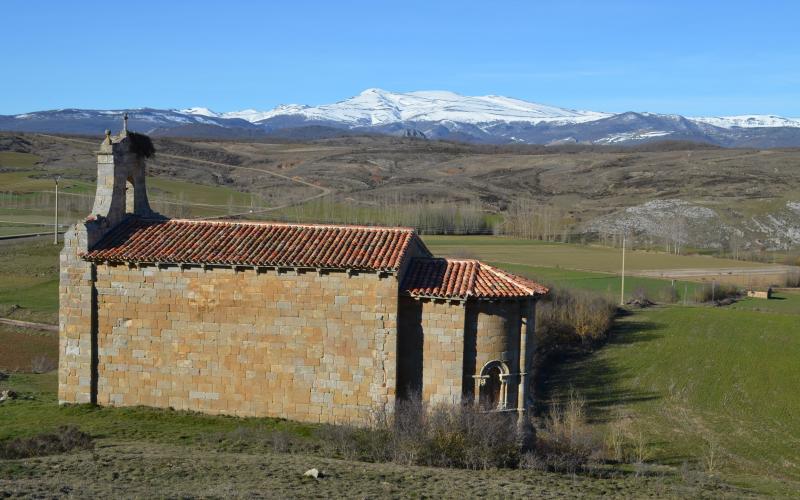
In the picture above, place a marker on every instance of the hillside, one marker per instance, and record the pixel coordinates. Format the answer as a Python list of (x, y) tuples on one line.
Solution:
[(671, 195), (702, 384)]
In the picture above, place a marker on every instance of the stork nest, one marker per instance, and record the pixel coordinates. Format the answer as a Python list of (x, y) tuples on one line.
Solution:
[(141, 145)]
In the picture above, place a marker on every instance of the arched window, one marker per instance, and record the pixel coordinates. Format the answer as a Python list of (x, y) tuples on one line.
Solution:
[(493, 386)]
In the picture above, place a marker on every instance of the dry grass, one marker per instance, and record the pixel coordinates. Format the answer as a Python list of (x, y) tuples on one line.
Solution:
[(25, 350), (145, 470), (453, 436)]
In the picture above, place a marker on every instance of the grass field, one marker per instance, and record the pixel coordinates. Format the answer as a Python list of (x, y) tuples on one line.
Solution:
[(697, 379), (783, 302), (570, 256), (29, 284), (606, 284), (15, 159)]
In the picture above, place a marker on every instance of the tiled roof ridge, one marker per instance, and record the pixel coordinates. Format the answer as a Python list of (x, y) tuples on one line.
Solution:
[(454, 278), (283, 223), (255, 243), (507, 276)]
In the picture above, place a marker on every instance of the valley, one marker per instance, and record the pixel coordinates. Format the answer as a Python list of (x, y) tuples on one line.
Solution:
[(672, 197)]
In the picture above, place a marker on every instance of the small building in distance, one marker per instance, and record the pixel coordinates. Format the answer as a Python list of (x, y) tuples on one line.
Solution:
[(310, 322), (760, 294)]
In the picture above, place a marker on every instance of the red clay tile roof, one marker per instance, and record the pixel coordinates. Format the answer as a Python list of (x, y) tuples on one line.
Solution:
[(462, 279), (178, 241)]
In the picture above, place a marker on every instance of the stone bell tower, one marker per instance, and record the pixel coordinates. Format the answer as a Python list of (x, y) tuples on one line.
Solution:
[(121, 193), (121, 185)]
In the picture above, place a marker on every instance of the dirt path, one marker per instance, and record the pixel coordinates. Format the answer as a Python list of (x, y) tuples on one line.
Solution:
[(29, 324), (699, 273)]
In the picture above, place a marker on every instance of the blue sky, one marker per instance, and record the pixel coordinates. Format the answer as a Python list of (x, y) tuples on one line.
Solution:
[(692, 58)]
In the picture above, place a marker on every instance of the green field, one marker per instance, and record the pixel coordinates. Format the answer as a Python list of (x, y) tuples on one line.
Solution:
[(569, 256), (696, 379), (606, 284), (15, 159), (29, 284), (782, 302)]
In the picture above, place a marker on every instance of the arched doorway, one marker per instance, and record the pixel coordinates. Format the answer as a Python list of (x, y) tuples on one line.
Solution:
[(493, 386)]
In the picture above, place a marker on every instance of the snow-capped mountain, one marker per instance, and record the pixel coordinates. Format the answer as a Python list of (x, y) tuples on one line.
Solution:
[(748, 121), (378, 107), (427, 114)]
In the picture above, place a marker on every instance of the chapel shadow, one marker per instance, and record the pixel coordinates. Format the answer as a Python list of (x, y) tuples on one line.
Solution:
[(586, 372)]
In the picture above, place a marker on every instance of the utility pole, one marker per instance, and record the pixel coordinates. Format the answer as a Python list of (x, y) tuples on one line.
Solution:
[(622, 287), (55, 220)]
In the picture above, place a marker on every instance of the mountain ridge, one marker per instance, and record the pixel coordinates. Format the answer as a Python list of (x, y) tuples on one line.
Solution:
[(432, 114)]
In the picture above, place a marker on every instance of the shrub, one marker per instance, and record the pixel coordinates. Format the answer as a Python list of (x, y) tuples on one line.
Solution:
[(669, 294), (566, 317), (459, 436), (640, 298), (566, 441), (716, 292), (792, 279), (617, 438), (43, 364), (65, 439)]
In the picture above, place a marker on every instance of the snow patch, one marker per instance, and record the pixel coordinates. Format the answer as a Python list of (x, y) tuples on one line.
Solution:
[(748, 121), (638, 135)]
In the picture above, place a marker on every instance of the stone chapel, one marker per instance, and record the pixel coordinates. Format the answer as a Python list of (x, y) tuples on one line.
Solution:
[(310, 322)]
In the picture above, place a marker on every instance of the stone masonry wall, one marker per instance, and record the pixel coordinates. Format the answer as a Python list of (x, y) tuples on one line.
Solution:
[(76, 319), (498, 339), (298, 345), (442, 352)]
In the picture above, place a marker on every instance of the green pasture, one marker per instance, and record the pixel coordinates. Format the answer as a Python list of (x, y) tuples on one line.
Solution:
[(30, 181), (29, 280), (570, 256), (606, 284), (15, 159), (174, 190), (783, 302), (700, 382)]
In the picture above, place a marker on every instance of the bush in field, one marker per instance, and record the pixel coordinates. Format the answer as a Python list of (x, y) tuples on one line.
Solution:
[(716, 292), (566, 317), (459, 436), (566, 441), (43, 364), (792, 279), (65, 439)]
